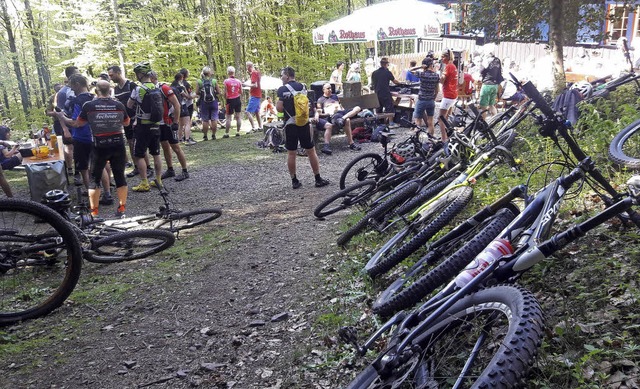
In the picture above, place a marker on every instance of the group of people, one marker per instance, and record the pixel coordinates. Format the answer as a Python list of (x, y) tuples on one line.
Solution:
[(97, 122)]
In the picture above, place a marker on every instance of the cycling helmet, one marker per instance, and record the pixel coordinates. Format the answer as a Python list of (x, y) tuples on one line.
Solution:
[(57, 199), (585, 88), (405, 150), (142, 67)]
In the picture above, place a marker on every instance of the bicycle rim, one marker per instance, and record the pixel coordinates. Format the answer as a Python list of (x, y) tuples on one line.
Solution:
[(367, 166), (129, 245), (504, 322), (40, 260), (346, 198)]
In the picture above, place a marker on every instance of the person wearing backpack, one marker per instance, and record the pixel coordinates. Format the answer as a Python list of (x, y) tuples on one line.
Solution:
[(61, 106), (169, 130), (148, 101), (208, 92), (233, 91), (491, 73), (291, 96)]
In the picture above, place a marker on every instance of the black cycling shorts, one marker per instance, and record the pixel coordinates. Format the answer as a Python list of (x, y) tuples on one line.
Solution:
[(296, 134)]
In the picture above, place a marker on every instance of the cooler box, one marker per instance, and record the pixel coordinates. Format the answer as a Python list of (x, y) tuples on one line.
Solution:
[(45, 176)]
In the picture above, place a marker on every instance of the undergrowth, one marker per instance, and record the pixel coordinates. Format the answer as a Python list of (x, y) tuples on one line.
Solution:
[(589, 291)]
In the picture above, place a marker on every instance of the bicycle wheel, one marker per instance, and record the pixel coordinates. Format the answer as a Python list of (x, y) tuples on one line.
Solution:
[(128, 245), (368, 166), (624, 149), (190, 219), (40, 260), (397, 296), (379, 211), (424, 195), (355, 194), (440, 212), (488, 339)]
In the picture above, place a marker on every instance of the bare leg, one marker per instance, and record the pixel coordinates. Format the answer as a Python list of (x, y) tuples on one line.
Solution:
[(443, 128), (291, 162), (94, 198), (157, 164), (430, 126), (313, 160), (142, 167), (187, 127), (238, 122), (122, 191), (250, 120), (205, 127), (353, 113), (180, 154), (347, 131), (4, 184), (166, 151), (106, 185)]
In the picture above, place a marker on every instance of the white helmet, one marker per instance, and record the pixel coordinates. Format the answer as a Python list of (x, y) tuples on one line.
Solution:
[(405, 150), (584, 87)]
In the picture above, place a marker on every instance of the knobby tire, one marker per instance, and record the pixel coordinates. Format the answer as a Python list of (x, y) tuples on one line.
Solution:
[(489, 229), (40, 263), (508, 316), (367, 171), (444, 272), (624, 149), (129, 245), (355, 194)]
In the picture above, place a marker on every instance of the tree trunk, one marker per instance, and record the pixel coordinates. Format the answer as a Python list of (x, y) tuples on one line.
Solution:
[(116, 27), (41, 67), (556, 41), (205, 31), (6, 20), (234, 34)]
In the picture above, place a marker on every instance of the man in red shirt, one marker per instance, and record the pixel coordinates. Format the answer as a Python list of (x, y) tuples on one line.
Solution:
[(255, 94), (449, 80)]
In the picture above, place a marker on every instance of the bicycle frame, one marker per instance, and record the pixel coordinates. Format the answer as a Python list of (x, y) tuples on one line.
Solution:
[(481, 165)]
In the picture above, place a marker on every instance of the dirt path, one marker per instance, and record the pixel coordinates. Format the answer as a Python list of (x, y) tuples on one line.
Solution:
[(239, 313)]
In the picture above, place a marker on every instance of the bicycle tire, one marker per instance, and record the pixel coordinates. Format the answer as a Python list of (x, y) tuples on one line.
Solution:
[(510, 319), (624, 149), (354, 194), (488, 229), (444, 211), (189, 219), (369, 169), (129, 245), (377, 212), (443, 273), (424, 195), (40, 262)]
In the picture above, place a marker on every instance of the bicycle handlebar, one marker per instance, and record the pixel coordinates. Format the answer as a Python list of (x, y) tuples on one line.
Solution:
[(531, 91)]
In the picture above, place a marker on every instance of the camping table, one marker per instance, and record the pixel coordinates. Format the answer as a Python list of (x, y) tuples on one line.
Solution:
[(44, 174)]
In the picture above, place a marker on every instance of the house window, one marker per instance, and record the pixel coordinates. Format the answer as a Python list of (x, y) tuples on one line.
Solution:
[(618, 22)]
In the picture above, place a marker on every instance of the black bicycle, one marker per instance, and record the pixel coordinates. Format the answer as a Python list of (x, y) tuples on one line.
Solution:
[(479, 329), (40, 260)]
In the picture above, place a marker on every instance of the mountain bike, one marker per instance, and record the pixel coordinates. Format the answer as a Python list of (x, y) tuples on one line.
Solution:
[(40, 260), (624, 149), (434, 214), (410, 288), (373, 166), (477, 332)]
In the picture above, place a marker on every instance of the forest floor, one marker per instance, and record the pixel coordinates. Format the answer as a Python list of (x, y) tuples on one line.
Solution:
[(232, 304)]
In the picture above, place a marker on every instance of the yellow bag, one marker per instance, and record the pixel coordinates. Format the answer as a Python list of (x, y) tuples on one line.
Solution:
[(301, 106)]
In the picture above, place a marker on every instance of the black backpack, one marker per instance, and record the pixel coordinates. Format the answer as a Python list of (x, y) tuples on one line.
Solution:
[(208, 91), (153, 104)]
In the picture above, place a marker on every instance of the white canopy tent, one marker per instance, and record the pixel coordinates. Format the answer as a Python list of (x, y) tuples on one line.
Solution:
[(393, 20)]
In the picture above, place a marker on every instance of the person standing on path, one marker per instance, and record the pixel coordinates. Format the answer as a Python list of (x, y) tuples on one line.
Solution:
[(107, 118), (233, 91), (449, 80), (429, 87), (146, 132), (491, 74), (380, 80), (207, 91), (184, 130), (295, 134), (169, 130), (255, 94)]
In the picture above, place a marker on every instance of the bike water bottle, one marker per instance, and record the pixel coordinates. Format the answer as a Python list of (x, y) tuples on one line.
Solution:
[(495, 250)]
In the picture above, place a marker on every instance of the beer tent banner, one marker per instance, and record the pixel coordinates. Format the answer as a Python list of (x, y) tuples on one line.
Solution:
[(399, 19)]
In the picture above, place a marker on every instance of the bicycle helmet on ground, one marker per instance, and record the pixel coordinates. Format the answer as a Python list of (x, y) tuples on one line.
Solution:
[(403, 151), (57, 199), (584, 87), (142, 67)]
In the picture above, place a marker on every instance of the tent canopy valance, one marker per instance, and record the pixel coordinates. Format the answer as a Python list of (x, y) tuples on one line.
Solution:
[(398, 19)]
